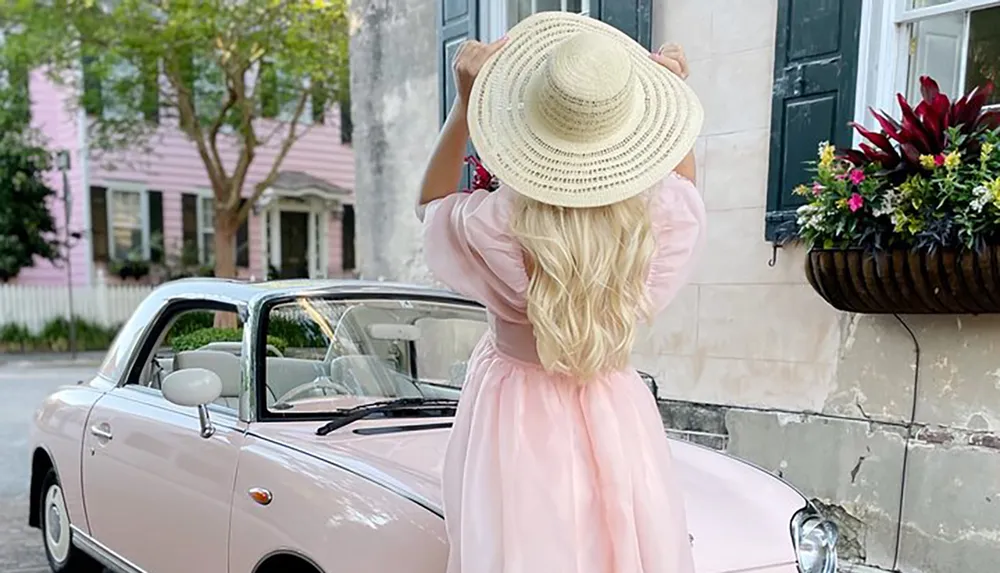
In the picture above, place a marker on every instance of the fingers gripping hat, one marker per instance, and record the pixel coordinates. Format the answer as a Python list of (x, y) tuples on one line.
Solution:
[(572, 112)]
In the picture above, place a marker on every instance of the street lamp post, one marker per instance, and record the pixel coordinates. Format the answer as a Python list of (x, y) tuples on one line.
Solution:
[(63, 165)]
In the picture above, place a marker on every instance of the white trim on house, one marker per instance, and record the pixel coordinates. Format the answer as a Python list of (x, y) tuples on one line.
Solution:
[(143, 192), (319, 205), (496, 16), (202, 195), (884, 50)]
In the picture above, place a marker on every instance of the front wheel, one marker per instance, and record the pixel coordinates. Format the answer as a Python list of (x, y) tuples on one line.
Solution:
[(62, 555)]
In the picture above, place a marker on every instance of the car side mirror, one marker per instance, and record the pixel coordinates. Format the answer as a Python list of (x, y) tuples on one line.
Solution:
[(194, 387)]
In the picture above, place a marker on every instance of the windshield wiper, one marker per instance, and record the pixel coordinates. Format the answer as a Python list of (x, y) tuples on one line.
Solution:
[(347, 416)]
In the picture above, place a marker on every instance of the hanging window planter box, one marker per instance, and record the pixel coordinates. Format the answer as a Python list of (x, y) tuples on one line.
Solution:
[(910, 222), (922, 281)]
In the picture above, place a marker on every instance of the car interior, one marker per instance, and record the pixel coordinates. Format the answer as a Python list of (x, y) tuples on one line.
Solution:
[(371, 349)]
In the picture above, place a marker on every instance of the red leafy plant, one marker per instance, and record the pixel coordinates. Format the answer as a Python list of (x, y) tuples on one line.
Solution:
[(481, 177), (936, 124)]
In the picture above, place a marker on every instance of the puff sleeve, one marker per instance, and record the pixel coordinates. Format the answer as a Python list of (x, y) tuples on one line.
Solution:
[(678, 215), (468, 247)]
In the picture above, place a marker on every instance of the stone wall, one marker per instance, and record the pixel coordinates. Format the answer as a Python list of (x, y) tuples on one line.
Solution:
[(887, 423)]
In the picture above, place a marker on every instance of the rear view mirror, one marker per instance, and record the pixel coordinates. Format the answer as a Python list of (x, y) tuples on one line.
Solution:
[(390, 331), (192, 387)]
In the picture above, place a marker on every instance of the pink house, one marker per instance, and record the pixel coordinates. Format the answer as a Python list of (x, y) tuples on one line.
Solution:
[(130, 203)]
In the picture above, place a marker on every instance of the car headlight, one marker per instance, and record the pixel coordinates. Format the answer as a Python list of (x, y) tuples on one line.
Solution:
[(815, 540)]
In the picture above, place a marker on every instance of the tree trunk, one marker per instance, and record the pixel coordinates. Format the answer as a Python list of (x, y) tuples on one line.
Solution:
[(225, 259)]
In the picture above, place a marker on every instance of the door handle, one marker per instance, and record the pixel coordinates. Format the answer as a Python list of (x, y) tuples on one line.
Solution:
[(102, 431)]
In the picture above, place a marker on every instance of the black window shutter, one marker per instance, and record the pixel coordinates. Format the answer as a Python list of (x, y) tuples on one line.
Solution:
[(189, 229), (348, 262), (151, 90), (634, 17), (458, 21), (99, 223), (155, 201), (93, 101), (270, 103), (243, 241), (346, 123), (318, 100), (815, 73)]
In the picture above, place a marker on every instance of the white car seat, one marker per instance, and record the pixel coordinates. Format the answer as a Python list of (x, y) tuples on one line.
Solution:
[(371, 376), (225, 364)]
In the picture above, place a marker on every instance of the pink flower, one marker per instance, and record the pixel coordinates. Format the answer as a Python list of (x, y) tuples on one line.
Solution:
[(855, 202), (817, 189), (939, 159), (856, 176), (840, 176)]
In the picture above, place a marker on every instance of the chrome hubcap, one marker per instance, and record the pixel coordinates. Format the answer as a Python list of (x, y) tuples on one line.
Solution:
[(56, 530)]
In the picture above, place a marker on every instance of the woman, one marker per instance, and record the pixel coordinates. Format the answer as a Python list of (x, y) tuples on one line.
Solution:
[(558, 461)]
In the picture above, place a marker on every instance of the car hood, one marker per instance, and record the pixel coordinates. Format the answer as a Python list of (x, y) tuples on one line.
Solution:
[(738, 515)]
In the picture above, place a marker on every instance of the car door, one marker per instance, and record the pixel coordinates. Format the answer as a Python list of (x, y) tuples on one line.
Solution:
[(157, 493)]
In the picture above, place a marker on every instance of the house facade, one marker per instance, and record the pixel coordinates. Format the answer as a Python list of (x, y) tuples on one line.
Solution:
[(888, 423), (154, 207)]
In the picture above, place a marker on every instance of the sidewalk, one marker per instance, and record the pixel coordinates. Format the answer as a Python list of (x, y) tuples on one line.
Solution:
[(51, 359)]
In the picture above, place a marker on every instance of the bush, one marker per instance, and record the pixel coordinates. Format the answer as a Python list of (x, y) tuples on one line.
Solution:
[(15, 336), (89, 336), (297, 334), (189, 322), (199, 338)]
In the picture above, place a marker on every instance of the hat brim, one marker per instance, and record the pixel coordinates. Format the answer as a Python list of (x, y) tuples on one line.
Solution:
[(572, 173)]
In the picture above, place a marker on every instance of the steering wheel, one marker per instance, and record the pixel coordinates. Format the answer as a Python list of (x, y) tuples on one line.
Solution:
[(327, 386)]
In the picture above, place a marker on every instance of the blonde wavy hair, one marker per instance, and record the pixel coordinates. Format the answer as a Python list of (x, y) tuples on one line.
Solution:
[(587, 290)]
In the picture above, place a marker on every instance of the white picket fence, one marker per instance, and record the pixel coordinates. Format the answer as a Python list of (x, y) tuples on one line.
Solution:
[(34, 306)]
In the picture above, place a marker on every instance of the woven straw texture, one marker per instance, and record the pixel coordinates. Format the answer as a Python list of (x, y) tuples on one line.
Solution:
[(573, 112)]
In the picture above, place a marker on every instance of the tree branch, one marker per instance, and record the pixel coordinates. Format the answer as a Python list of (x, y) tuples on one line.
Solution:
[(189, 121), (286, 146)]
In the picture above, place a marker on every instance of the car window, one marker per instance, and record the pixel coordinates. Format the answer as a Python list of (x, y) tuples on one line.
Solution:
[(191, 339), (336, 354)]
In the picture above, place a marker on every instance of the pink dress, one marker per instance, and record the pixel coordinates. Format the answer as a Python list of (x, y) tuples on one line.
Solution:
[(541, 475)]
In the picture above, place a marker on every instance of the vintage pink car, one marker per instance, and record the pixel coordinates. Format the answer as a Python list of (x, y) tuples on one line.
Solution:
[(310, 440)]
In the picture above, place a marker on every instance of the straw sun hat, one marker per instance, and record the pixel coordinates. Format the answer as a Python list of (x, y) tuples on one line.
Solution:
[(573, 112)]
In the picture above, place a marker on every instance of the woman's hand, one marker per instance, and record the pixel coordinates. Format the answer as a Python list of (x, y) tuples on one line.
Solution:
[(469, 60), (671, 56)]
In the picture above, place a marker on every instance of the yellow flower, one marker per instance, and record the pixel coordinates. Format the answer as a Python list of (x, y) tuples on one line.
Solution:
[(927, 161), (952, 160), (986, 151), (801, 190), (994, 188), (827, 154)]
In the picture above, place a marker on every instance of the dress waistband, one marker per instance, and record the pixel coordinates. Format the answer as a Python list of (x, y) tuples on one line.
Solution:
[(515, 340)]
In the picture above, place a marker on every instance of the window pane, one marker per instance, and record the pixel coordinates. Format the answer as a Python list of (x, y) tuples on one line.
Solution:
[(574, 6), (208, 247), (936, 51), (983, 62), (927, 3), (126, 222), (547, 5), (207, 213)]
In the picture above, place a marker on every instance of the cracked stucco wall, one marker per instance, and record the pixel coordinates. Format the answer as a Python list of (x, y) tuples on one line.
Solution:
[(748, 358)]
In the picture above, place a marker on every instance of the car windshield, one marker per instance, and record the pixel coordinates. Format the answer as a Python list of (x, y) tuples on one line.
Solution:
[(326, 355)]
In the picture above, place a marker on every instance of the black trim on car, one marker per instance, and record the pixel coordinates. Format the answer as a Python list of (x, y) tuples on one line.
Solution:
[(379, 430), (288, 553)]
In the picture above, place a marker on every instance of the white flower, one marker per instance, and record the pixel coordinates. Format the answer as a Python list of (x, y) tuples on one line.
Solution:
[(981, 197)]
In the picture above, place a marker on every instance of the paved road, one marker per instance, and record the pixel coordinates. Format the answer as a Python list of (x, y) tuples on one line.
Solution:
[(23, 385)]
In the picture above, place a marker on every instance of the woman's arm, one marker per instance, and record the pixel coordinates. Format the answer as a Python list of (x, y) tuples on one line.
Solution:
[(687, 168), (444, 170)]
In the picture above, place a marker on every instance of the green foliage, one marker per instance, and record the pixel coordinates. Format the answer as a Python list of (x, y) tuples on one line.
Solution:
[(55, 336), (951, 201), (196, 63), (189, 322), (199, 338), (297, 334), (27, 229)]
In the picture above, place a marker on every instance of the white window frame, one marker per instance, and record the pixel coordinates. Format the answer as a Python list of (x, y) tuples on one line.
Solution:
[(495, 16), (884, 51), (202, 195), (143, 192)]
